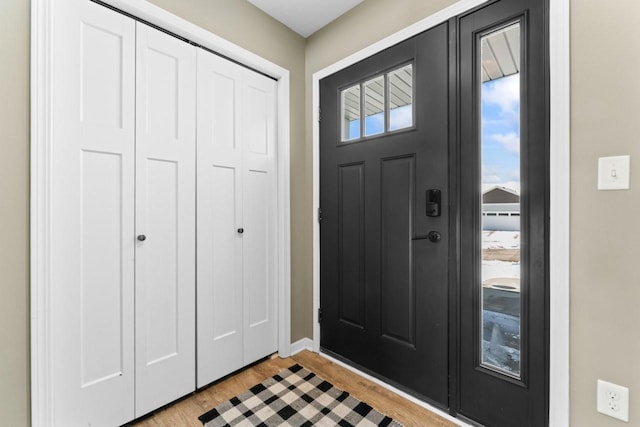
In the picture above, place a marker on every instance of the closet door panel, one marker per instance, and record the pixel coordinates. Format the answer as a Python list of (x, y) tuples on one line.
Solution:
[(259, 200), (92, 190), (165, 216), (161, 280), (256, 249), (101, 249), (220, 323)]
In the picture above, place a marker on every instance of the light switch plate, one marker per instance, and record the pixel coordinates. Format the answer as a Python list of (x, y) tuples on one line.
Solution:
[(613, 173)]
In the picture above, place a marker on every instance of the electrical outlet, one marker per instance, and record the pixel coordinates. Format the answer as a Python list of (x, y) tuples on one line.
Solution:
[(613, 400)]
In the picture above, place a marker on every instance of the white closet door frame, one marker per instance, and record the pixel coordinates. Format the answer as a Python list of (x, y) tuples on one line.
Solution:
[(42, 107)]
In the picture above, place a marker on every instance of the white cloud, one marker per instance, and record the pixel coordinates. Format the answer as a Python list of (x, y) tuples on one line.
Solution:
[(490, 176), (510, 141), (504, 92)]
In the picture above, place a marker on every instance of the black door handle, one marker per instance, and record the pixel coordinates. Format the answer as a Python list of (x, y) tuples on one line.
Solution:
[(433, 236), (142, 237), (240, 230)]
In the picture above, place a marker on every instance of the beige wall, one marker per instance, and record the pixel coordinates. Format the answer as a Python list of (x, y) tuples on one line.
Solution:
[(605, 291), (605, 225), (14, 212)]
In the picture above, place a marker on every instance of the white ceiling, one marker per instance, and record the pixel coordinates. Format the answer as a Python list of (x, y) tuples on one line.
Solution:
[(305, 17)]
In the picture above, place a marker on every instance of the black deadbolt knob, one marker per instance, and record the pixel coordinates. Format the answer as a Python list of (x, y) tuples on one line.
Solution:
[(240, 230), (142, 237)]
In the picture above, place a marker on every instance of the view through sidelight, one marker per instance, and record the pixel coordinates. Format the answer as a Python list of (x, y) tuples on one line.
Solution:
[(500, 188)]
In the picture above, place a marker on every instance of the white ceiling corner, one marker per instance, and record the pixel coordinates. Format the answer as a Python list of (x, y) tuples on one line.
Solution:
[(305, 17)]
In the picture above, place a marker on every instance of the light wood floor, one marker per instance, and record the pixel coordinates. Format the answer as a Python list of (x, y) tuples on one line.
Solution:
[(186, 412)]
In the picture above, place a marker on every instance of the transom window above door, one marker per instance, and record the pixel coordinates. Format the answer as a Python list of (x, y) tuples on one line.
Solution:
[(377, 105)]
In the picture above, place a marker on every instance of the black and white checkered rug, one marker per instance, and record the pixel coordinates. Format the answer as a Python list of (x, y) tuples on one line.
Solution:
[(295, 397)]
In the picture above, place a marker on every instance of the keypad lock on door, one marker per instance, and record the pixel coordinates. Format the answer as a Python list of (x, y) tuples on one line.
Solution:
[(434, 198)]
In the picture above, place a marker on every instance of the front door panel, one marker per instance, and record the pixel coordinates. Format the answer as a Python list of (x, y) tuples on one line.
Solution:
[(383, 282)]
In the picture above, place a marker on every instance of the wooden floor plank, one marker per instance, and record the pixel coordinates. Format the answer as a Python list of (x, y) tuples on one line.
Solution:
[(186, 411)]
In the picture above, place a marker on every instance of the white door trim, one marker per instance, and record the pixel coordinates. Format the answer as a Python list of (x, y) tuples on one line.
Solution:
[(41, 139), (560, 188)]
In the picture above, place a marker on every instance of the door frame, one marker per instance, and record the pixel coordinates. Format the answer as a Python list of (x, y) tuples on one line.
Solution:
[(42, 57), (559, 165)]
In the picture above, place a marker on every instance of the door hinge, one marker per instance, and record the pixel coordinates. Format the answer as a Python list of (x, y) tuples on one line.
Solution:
[(319, 215), (319, 114), (320, 313)]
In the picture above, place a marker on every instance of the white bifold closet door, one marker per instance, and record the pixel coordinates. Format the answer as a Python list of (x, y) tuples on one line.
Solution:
[(236, 217), (123, 156), (123, 217), (92, 212), (165, 218)]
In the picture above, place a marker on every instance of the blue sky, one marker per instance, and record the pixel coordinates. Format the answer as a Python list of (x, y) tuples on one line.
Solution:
[(399, 117), (501, 133)]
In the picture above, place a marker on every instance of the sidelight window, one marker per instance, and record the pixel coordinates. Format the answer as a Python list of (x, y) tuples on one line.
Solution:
[(500, 263), (378, 105)]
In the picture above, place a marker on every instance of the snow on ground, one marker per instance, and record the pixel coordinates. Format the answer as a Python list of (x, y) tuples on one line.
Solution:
[(500, 239), (493, 269)]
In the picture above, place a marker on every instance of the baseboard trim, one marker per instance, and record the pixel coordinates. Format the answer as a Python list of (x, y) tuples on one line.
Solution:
[(301, 345), (391, 388)]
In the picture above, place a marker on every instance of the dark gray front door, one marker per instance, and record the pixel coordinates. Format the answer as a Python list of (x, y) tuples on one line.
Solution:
[(383, 145), (434, 241)]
